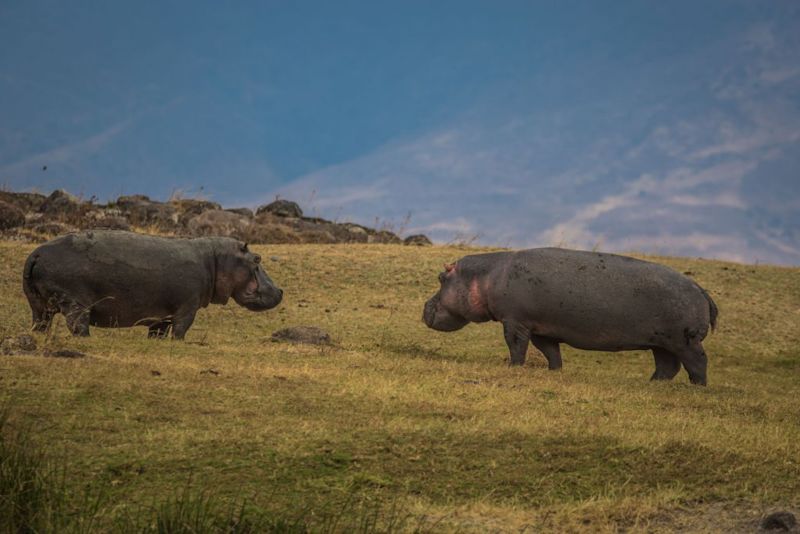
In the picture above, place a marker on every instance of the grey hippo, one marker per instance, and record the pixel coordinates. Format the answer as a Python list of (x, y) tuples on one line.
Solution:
[(119, 279), (588, 300)]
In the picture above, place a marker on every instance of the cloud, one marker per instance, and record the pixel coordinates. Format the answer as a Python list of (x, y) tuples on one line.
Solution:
[(68, 152), (760, 37), (730, 199), (695, 175)]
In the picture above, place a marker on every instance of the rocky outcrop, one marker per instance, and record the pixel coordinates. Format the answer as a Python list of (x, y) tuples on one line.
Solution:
[(219, 222), (281, 208), (10, 216), (36, 217)]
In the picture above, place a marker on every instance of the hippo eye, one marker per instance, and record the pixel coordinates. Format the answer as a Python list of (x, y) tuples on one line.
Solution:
[(256, 258), (442, 278)]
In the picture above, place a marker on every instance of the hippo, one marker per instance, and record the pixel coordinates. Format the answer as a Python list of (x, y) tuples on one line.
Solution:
[(588, 300), (118, 279)]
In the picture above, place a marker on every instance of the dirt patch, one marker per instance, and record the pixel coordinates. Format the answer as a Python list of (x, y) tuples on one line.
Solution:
[(302, 334)]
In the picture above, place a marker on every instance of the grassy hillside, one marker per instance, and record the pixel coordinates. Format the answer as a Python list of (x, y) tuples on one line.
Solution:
[(431, 427)]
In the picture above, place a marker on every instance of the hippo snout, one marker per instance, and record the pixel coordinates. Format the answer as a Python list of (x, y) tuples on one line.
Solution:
[(429, 312), (265, 298), (439, 318)]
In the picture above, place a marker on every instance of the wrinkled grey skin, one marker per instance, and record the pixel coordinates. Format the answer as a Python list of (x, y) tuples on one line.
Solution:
[(118, 279), (588, 300)]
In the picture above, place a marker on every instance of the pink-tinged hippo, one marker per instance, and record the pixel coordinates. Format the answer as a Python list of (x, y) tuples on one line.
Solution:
[(588, 300), (117, 279)]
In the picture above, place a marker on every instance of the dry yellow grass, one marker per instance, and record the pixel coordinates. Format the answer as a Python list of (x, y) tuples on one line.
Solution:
[(436, 424)]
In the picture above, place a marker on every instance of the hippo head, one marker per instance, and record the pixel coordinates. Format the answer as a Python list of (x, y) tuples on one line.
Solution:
[(445, 310), (239, 275)]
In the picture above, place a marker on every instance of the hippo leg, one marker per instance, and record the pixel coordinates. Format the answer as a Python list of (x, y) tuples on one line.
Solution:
[(667, 364), (159, 330), (41, 314), (549, 347), (694, 360), (181, 322), (77, 317), (517, 338)]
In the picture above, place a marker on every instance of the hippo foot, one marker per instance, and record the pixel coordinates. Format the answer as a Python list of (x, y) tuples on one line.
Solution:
[(698, 380)]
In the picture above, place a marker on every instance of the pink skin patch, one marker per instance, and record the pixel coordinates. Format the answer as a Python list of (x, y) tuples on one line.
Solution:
[(477, 302), (252, 286)]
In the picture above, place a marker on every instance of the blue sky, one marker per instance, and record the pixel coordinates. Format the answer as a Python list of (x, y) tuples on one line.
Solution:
[(669, 127)]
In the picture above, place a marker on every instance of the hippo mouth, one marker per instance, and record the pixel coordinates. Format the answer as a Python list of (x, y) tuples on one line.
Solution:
[(429, 313), (438, 318), (262, 300), (258, 297)]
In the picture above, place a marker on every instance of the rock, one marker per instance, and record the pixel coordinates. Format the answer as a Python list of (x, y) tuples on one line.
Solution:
[(107, 218), (779, 521), (244, 212), (11, 216), (190, 207), (126, 201), (110, 223), (270, 233), (384, 236), (302, 334), (142, 212), (21, 344), (281, 208), (419, 240), (24, 201), (356, 233), (218, 223), (62, 206)]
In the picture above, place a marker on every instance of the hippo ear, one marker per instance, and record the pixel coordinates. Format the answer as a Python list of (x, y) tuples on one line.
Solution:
[(449, 267), (243, 247)]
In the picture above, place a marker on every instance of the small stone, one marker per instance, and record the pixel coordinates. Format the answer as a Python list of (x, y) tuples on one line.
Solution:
[(302, 334), (274, 258), (782, 520)]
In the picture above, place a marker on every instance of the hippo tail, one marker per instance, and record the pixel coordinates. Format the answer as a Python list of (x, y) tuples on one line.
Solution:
[(713, 311), (27, 274)]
